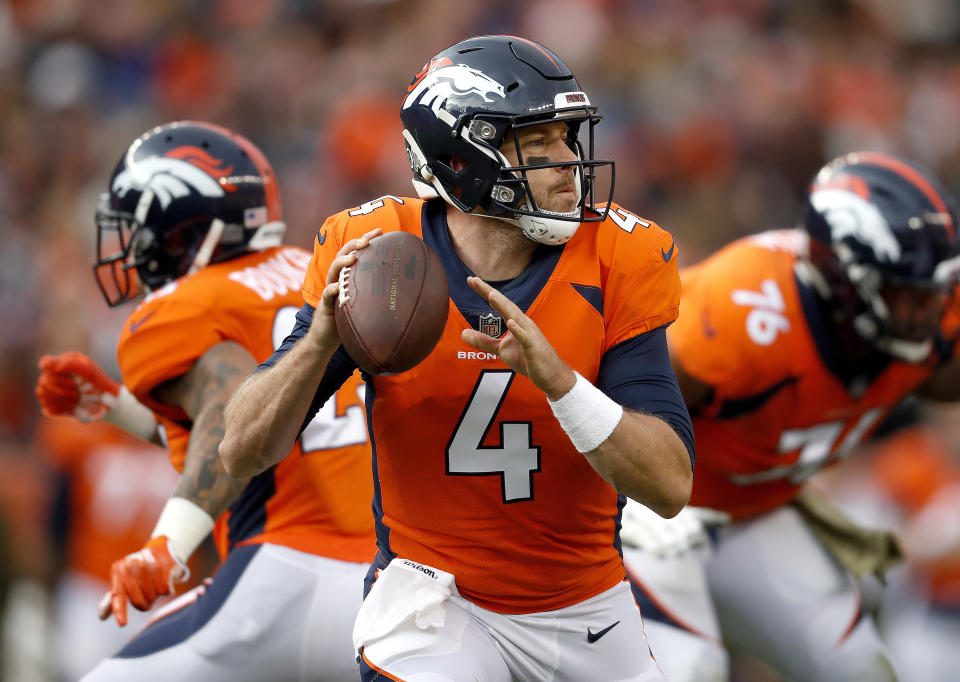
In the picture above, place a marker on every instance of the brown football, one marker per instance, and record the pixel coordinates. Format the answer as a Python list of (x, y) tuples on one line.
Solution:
[(393, 304)]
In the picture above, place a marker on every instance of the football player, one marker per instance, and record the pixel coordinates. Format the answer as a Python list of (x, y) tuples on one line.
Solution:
[(792, 348), (500, 475), (193, 215), (110, 487)]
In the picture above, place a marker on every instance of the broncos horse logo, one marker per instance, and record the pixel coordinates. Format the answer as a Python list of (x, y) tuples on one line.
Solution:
[(453, 80), (849, 214), (174, 175)]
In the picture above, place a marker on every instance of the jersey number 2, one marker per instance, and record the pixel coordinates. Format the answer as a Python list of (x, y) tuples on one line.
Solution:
[(326, 430), (516, 459)]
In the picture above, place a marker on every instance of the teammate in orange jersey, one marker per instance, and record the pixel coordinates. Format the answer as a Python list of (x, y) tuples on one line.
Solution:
[(193, 213), (110, 488), (503, 460), (792, 347)]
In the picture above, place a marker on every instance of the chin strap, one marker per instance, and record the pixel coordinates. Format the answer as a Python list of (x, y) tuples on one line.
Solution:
[(209, 243), (267, 236), (909, 351)]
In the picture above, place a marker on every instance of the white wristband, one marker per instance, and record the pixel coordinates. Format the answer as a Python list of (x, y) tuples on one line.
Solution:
[(185, 525), (131, 415), (586, 414)]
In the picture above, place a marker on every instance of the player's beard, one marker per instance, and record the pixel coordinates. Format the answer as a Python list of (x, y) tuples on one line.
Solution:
[(506, 238), (552, 199)]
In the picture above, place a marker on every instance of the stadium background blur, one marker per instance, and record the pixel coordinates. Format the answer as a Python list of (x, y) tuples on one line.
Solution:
[(717, 113)]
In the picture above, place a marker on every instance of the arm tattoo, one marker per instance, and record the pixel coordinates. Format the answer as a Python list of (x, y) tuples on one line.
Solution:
[(203, 393)]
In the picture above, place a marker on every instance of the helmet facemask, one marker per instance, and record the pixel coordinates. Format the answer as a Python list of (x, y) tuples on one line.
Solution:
[(114, 269), (513, 196), (899, 317), (509, 195), (131, 260)]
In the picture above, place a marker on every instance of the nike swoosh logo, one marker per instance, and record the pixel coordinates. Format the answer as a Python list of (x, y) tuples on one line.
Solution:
[(667, 255), (321, 237), (135, 324), (594, 636)]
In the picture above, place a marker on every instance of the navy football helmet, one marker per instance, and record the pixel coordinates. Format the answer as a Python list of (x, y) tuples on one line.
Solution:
[(469, 100), (884, 250), (183, 195)]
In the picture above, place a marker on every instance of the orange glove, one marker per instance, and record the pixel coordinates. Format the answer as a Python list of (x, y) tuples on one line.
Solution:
[(141, 577), (72, 384)]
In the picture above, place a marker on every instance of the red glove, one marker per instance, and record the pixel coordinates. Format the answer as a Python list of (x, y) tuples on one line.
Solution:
[(72, 384), (141, 577)]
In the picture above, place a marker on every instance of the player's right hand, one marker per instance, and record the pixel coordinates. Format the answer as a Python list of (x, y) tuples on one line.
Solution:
[(644, 529), (71, 384), (141, 577), (324, 327), (524, 348)]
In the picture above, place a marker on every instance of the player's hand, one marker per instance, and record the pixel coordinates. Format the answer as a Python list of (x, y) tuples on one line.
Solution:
[(323, 329), (523, 348), (71, 384), (141, 577), (644, 529)]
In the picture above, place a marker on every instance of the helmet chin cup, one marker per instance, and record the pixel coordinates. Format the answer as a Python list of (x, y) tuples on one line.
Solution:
[(546, 230), (908, 351)]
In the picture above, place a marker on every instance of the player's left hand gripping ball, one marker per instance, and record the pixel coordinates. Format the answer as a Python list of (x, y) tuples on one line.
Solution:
[(141, 577), (71, 384)]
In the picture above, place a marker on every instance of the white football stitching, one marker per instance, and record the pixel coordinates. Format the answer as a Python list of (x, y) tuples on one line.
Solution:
[(344, 278)]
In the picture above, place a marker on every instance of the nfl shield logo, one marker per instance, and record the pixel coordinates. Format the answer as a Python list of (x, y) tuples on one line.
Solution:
[(490, 324)]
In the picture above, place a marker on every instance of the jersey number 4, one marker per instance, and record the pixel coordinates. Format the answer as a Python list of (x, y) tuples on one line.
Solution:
[(516, 459)]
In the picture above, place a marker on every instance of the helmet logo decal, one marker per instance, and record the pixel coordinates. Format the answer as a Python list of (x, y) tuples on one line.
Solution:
[(458, 80), (201, 159), (847, 181), (850, 214), (432, 65), (168, 179)]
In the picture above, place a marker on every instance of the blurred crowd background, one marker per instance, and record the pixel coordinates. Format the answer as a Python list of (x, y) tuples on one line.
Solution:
[(718, 112)]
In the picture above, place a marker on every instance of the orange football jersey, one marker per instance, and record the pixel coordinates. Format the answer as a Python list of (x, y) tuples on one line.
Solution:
[(315, 500), (777, 413), (117, 485), (473, 474)]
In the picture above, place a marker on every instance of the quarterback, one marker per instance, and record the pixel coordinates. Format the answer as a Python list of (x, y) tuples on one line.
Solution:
[(500, 475)]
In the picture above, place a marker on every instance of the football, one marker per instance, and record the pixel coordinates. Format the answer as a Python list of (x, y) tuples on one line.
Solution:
[(393, 304)]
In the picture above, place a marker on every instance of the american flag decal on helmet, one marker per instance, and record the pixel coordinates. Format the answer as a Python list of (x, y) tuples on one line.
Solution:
[(255, 217)]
